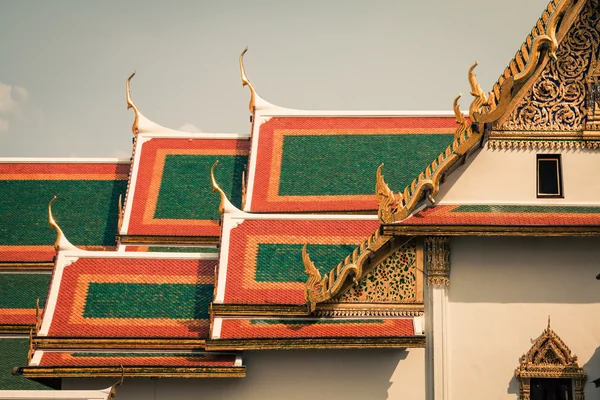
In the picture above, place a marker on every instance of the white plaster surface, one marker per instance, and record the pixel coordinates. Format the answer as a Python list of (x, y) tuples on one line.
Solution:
[(509, 177), (501, 293), (293, 374)]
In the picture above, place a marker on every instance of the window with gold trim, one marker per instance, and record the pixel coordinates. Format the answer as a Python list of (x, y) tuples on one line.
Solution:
[(549, 176), (549, 371)]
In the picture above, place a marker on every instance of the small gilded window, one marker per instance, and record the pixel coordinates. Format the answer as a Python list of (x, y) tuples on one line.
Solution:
[(549, 176)]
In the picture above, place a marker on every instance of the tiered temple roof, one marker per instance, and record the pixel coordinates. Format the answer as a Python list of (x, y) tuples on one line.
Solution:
[(314, 248)]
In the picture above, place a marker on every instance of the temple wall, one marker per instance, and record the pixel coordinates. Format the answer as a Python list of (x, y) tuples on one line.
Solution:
[(295, 374), (509, 176), (501, 293)]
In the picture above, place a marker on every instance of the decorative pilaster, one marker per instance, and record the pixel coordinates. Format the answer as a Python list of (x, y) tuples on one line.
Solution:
[(437, 268), (437, 254)]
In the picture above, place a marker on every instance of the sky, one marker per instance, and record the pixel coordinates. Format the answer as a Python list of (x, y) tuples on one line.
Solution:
[(63, 64)]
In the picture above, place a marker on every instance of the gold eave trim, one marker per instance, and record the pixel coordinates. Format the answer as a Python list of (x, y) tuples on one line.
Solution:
[(483, 230), (43, 343), (139, 372), (14, 328), (257, 309), (316, 343), (369, 310), (171, 240), (26, 266)]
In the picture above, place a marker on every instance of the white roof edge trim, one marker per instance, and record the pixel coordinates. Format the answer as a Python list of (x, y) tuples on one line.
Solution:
[(302, 217), (58, 160), (282, 112), (141, 255), (199, 135)]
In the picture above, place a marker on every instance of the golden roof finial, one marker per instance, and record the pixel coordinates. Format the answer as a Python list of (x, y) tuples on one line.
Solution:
[(314, 277), (460, 119), (475, 88), (120, 223), (386, 201), (61, 243), (548, 322), (38, 316), (243, 190), (130, 104), (246, 82), (31, 349), (217, 188), (480, 102)]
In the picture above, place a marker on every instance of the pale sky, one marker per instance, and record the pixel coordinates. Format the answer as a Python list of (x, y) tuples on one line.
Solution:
[(63, 64)]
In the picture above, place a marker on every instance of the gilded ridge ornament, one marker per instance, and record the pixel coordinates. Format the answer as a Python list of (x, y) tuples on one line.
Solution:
[(61, 242), (38, 316), (243, 190), (217, 188), (557, 100), (460, 119), (541, 40), (393, 208), (131, 104), (246, 82), (342, 277), (480, 103), (120, 222), (437, 261), (549, 358)]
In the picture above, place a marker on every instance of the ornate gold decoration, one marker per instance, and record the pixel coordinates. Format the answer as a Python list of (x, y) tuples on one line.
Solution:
[(217, 188), (387, 203), (592, 121), (61, 243), (38, 316), (31, 349), (396, 280), (556, 101), (480, 103), (549, 358), (527, 60), (120, 223), (246, 82), (243, 189), (340, 278), (437, 261), (542, 144), (130, 104), (460, 119)]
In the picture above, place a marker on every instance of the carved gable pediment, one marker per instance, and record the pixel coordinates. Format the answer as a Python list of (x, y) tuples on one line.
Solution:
[(558, 101)]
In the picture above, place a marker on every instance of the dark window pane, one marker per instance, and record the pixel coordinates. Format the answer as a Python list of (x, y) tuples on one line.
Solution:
[(549, 175), (551, 389)]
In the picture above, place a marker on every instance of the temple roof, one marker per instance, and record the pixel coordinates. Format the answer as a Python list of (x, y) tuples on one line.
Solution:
[(129, 295), (261, 259), (289, 333), (20, 291), (175, 364), (326, 163), (88, 210), (170, 191)]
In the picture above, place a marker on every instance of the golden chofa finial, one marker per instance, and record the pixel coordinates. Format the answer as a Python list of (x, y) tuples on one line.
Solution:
[(225, 205), (460, 119), (246, 82), (61, 242), (480, 102), (130, 104)]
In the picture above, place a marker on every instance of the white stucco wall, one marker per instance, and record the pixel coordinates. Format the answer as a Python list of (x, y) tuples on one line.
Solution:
[(501, 293), (308, 374), (509, 177)]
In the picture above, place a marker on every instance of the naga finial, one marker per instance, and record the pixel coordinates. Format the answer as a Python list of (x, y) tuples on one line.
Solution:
[(244, 193), (475, 88), (314, 277), (246, 82), (130, 104), (217, 188), (480, 102), (53, 224), (120, 221), (386, 201), (460, 118), (61, 243)]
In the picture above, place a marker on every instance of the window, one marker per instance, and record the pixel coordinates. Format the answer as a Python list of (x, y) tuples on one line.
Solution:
[(549, 176), (551, 389)]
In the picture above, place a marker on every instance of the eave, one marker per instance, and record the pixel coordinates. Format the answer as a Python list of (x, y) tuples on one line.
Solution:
[(487, 230), (316, 343), (16, 328), (131, 371), (259, 309), (167, 240), (26, 266), (56, 343)]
